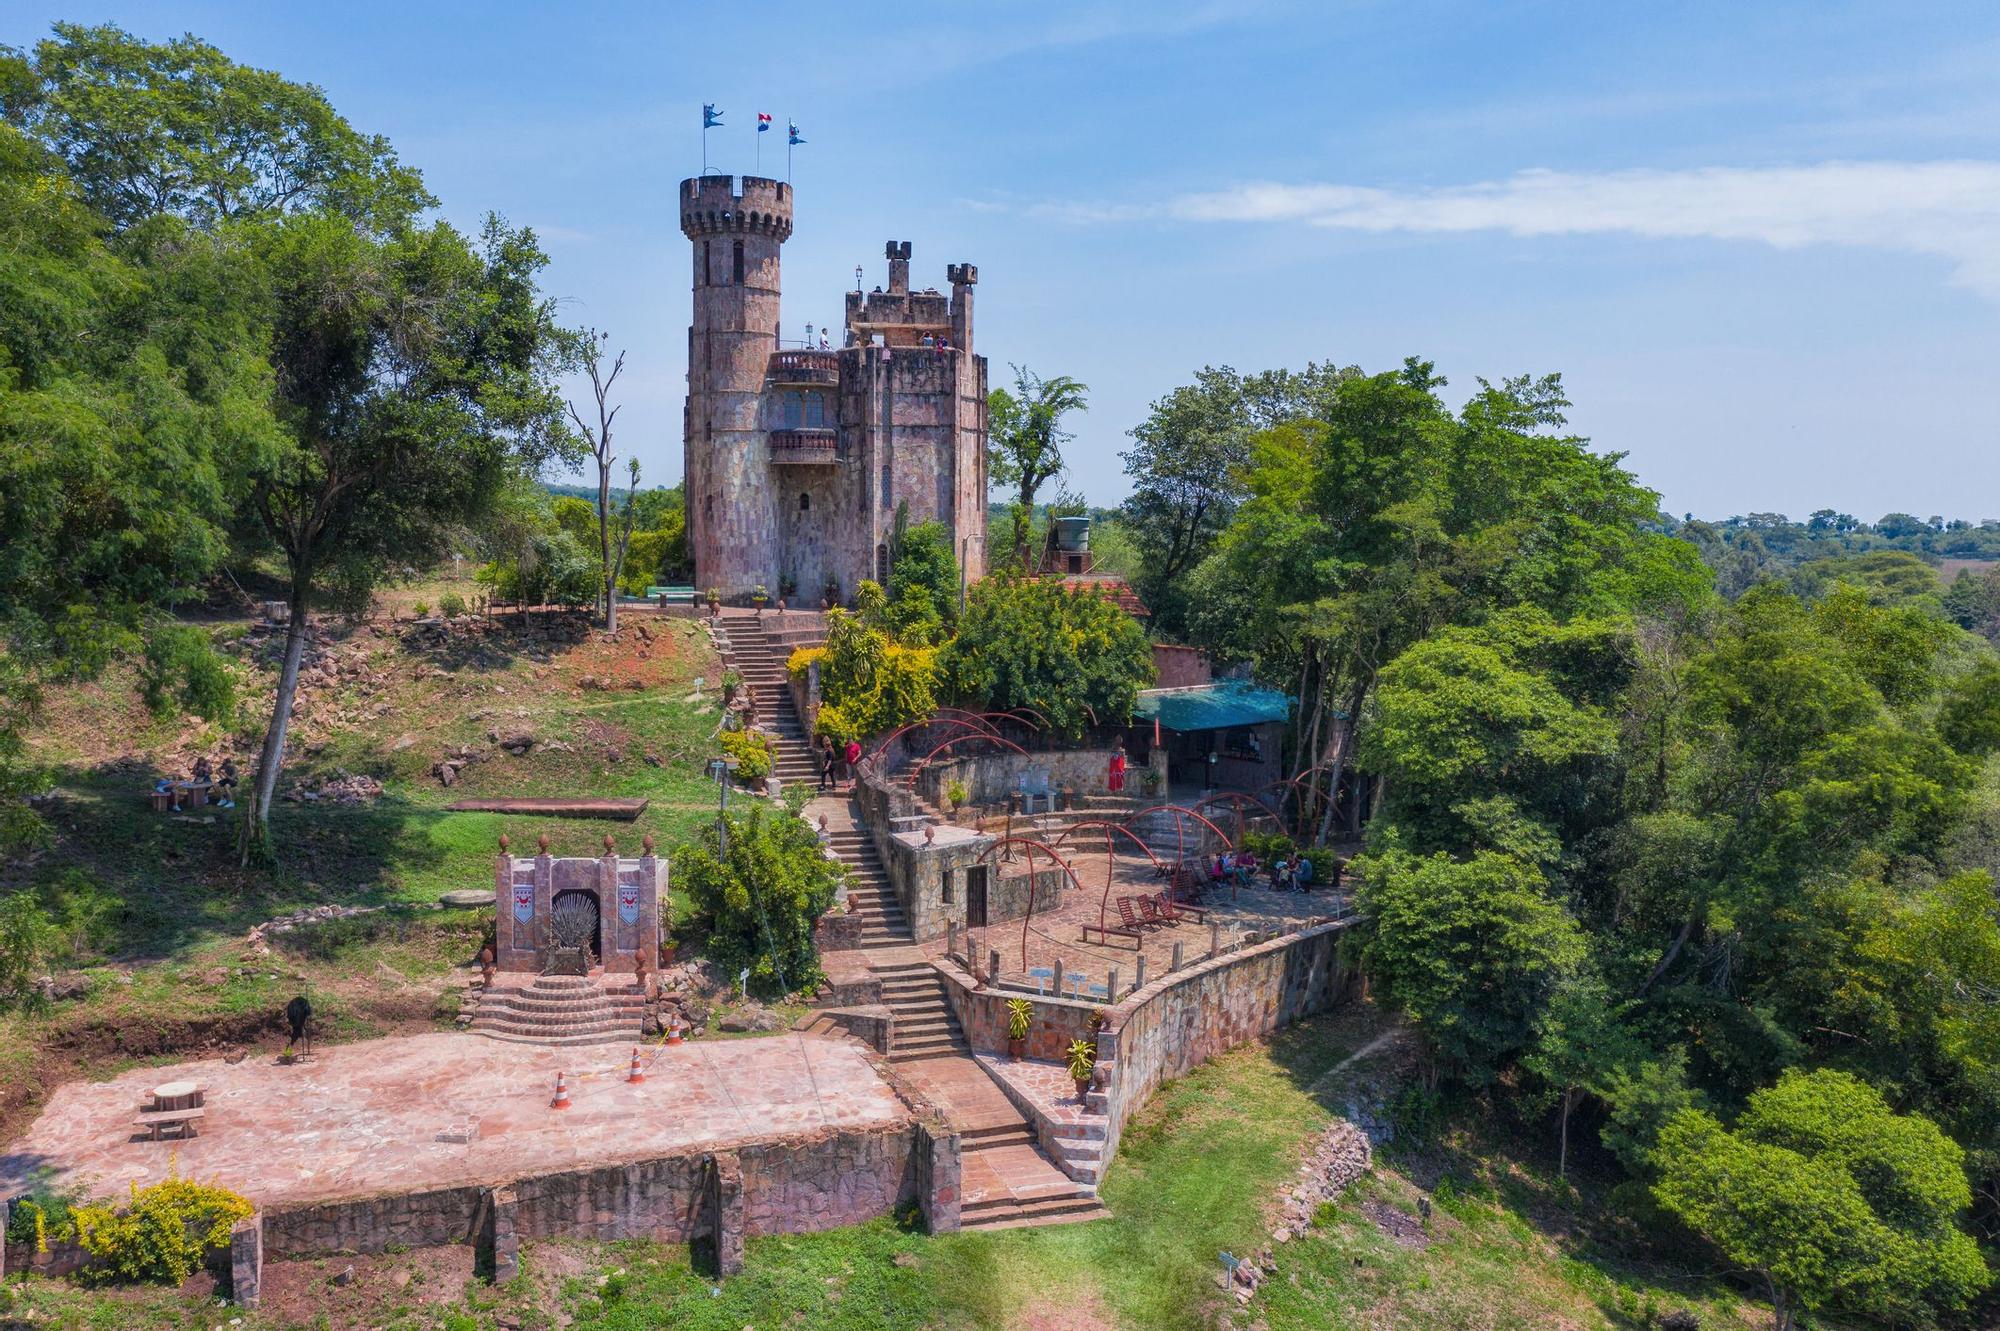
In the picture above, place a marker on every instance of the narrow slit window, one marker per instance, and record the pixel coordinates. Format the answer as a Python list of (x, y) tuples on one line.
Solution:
[(739, 263)]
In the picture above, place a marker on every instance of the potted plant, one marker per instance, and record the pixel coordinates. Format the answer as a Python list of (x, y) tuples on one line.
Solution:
[(1019, 1013), (956, 795), (758, 597), (1082, 1062), (714, 599), (732, 680)]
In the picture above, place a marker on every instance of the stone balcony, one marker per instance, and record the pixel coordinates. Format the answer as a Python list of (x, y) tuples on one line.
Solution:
[(803, 367), (804, 447)]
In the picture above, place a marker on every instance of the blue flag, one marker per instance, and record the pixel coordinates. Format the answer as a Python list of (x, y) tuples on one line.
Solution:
[(710, 117), (792, 134)]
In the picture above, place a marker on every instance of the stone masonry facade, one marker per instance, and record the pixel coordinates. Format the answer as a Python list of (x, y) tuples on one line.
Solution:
[(798, 459)]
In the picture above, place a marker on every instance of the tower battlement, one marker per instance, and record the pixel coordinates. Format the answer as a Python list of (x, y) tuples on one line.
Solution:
[(727, 205)]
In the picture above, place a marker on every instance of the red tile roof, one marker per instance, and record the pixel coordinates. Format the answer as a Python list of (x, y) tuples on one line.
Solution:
[(1117, 589)]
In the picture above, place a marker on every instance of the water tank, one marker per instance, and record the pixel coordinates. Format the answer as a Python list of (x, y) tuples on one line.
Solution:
[(1072, 534)]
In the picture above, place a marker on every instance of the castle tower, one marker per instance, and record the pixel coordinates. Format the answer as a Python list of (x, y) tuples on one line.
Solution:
[(731, 525)]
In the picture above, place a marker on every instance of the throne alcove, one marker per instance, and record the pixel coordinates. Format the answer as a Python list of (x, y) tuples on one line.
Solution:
[(572, 915)]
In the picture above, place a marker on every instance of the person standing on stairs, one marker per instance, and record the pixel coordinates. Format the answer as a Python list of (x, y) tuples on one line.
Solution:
[(853, 762), (828, 761)]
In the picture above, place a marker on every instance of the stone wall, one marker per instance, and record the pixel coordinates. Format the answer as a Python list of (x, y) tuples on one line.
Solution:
[(1181, 1020), (1179, 667), (783, 1185), (1172, 1025), (992, 778)]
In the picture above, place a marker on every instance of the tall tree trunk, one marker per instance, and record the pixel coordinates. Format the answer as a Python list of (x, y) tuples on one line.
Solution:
[(1562, 1152), (1337, 747), (604, 546), (256, 827)]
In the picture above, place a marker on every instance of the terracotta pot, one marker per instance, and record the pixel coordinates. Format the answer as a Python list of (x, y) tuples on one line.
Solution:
[(1016, 1049), (1082, 1087)]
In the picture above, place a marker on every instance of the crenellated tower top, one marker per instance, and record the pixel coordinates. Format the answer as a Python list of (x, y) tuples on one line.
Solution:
[(720, 205)]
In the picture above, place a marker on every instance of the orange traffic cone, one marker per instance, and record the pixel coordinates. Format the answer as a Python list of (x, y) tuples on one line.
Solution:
[(636, 1074), (562, 1094)]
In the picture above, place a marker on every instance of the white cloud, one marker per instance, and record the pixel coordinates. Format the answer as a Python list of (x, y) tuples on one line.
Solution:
[(1947, 209)]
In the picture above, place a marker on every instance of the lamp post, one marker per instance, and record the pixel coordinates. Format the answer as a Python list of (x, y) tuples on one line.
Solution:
[(722, 767)]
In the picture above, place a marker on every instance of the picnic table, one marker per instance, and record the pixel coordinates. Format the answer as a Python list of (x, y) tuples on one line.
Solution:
[(180, 794), (175, 1105)]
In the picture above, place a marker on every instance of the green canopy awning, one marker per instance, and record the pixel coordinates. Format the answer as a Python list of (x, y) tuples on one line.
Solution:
[(1221, 706)]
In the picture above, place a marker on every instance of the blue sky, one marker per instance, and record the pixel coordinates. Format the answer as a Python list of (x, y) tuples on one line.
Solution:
[(1761, 243)]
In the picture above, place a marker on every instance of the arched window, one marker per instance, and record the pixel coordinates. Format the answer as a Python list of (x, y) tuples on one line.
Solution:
[(805, 503), (792, 410), (739, 263)]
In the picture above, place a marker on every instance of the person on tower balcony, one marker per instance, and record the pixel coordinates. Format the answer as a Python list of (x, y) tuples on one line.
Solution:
[(823, 345), (930, 343)]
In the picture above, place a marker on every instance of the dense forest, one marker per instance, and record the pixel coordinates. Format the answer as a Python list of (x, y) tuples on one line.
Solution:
[(1678, 825)]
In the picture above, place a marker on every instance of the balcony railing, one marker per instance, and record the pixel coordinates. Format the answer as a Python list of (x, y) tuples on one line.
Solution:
[(803, 367), (803, 447)]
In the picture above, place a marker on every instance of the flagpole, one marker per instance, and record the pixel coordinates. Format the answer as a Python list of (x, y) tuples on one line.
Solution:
[(760, 147)]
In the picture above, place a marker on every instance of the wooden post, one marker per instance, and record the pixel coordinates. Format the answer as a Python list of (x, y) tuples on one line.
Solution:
[(1139, 980), (1214, 938), (1111, 987), (993, 965), (1059, 977), (1177, 956)]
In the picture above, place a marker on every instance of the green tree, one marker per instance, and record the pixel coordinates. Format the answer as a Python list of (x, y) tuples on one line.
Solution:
[(760, 896), (1025, 434), (177, 128), (1582, 1047), (1187, 462), (923, 584), (1835, 1200), (1469, 949), (414, 376), (1072, 656), (614, 522)]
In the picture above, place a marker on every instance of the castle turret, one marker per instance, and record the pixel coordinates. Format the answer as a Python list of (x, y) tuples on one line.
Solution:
[(736, 232)]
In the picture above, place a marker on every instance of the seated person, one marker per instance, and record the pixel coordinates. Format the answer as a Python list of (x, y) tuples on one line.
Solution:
[(225, 785), (1302, 873), (1246, 867)]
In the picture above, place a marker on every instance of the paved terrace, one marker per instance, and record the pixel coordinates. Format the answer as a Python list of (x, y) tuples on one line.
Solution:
[(1055, 930), (448, 1110)]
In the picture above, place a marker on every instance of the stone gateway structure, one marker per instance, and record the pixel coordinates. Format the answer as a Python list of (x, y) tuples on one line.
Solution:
[(797, 461)]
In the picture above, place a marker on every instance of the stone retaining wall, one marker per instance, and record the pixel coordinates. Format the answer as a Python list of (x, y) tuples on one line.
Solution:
[(785, 1185), (1183, 1019), (1174, 1024)]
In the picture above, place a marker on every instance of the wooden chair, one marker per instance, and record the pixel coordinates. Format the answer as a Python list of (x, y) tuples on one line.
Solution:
[(1174, 911), (1129, 916)]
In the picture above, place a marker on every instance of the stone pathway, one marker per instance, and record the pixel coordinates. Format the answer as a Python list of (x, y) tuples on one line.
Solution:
[(1007, 1180)]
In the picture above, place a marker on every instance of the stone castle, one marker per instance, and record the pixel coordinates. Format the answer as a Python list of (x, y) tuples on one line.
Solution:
[(797, 461)]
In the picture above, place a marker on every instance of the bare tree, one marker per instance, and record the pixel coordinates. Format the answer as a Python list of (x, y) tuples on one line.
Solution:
[(611, 546)]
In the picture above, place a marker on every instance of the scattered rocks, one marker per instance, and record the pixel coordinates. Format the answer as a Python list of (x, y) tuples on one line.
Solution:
[(341, 788), (750, 1018), (61, 988), (463, 898), (346, 1277), (1338, 1157)]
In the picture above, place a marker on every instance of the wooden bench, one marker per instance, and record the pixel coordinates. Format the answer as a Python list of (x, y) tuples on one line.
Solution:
[(1107, 932), (156, 1121)]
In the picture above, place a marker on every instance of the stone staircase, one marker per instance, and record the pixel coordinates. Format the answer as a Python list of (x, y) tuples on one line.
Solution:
[(1007, 1182), (560, 1010), (925, 1025), (752, 653), (869, 893)]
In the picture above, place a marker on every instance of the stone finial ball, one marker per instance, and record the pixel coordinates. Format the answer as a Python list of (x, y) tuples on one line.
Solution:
[(543, 842), (504, 843), (646, 843), (609, 845)]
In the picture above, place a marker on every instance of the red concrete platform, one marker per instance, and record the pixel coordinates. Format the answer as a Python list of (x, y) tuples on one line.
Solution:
[(433, 1111)]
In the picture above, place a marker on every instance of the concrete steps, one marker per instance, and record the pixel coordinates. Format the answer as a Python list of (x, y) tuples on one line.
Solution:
[(560, 1010)]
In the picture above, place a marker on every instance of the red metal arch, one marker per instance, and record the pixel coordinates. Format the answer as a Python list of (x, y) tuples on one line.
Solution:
[(900, 731), (1109, 827), (924, 761), (1034, 845), (1182, 812)]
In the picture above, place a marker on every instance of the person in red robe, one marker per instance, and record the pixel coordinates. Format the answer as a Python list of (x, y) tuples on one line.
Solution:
[(1116, 779)]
